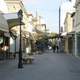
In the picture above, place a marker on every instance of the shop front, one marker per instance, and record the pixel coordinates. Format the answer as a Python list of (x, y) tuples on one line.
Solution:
[(4, 46), (4, 38)]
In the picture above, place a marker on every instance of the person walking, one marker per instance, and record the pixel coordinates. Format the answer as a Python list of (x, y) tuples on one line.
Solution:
[(54, 46), (58, 45)]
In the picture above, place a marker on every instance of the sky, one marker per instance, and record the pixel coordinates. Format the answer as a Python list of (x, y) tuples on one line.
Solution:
[(49, 10)]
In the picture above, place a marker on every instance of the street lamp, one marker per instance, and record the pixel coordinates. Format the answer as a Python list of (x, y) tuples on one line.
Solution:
[(20, 16)]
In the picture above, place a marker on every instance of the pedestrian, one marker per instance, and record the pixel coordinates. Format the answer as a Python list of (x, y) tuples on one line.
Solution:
[(53, 44), (58, 44), (57, 48), (54, 48)]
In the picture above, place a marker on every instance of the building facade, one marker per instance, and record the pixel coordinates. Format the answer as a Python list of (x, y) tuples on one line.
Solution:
[(31, 31), (4, 37), (77, 28), (68, 26), (14, 6)]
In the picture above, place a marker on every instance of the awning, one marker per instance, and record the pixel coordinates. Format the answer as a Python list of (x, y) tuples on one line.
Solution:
[(71, 33), (12, 19), (64, 34), (3, 24), (13, 22)]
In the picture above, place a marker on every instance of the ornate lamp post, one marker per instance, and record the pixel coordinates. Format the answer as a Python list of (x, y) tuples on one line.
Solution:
[(20, 16)]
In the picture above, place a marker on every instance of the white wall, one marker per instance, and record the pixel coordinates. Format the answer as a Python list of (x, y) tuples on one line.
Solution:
[(3, 6), (3, 22)]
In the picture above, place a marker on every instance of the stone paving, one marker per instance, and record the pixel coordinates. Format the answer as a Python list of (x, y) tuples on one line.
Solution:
[(45, 67)]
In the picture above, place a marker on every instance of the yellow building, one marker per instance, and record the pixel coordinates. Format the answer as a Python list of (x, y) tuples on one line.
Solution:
[(68, 23), (68, 28)]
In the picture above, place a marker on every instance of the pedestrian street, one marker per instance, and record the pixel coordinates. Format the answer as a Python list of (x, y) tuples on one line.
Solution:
[(47, 66)]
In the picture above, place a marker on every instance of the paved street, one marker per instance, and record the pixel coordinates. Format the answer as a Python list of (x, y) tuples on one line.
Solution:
[(45, 67)]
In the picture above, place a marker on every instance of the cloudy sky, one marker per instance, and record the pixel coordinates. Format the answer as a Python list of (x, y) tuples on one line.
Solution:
[(49, 10)]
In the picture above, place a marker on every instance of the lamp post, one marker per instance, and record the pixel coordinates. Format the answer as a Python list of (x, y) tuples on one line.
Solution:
[(20, 16)]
